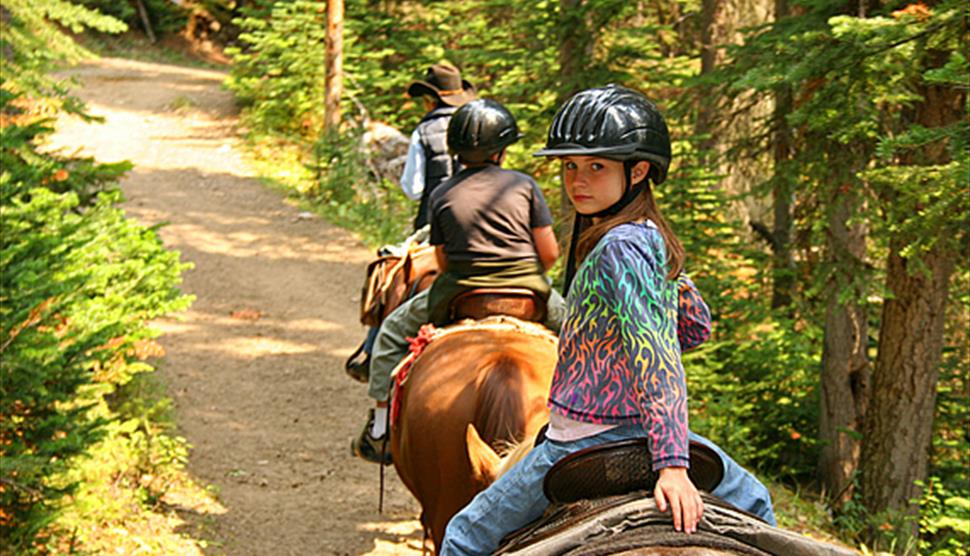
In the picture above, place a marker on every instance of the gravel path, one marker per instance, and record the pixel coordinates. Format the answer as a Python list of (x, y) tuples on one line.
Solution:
[(255, 366)]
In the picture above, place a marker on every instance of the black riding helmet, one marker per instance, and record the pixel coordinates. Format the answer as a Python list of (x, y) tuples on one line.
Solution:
[(480, 129), (612, 122), (616, 123)]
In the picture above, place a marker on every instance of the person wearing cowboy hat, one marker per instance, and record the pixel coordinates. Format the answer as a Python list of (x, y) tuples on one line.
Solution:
[(428, 161)]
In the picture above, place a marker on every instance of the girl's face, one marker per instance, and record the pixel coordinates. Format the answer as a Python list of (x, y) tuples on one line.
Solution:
[(595, 184)]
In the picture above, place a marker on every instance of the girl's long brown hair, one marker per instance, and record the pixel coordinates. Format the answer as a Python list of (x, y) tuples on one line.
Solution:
[(641, 208)]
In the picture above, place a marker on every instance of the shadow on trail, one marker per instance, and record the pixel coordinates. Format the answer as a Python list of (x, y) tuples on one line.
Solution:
[(277, 420), (196, 88), (255, 368)]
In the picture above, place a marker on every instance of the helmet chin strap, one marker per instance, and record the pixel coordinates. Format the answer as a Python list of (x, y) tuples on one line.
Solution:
[(582, 221)]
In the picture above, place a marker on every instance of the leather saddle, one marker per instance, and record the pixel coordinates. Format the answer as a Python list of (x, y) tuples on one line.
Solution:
[(622, 467), (589, 490), (478, 303)]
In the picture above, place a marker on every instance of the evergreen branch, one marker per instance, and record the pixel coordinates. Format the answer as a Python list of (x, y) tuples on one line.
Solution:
[(762, 230), (929, 30), (23, 488)]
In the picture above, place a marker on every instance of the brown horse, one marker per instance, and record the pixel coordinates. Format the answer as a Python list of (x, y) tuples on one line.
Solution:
[(477, 389), (480, 388)]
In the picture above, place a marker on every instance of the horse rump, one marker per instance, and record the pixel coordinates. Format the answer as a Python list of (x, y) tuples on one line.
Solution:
[(475, 389)]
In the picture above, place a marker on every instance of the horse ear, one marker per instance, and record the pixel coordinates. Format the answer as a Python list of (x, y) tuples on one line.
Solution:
[(482, 457)]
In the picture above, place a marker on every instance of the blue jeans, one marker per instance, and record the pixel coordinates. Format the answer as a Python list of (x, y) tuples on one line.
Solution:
[(516, 498)]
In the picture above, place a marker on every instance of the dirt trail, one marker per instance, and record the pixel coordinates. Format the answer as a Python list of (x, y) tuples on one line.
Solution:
[(255, 367)]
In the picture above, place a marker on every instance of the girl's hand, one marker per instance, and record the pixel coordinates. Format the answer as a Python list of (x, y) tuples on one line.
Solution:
[(674, 486)]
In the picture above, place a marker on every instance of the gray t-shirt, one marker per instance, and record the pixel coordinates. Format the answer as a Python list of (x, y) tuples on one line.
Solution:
[(487, 214)]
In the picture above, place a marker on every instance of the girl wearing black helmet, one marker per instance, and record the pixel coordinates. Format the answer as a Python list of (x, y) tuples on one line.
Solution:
[(491, 228), (619, 373)]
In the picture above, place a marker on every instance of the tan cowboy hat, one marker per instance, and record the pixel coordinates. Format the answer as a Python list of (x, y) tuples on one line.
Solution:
[(444, 82)]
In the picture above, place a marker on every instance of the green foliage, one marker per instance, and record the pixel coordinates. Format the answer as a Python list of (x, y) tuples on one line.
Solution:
[(944, 520), (756, 394), (943, 523), (165, 16), (279, 74), (951, 457), (124, 480), (79, 283), (32, 42), (347, 193)]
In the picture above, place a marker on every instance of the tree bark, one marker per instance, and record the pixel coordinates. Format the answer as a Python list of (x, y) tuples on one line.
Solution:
[(730, 120), (846, 375), (783, 264), (899, 423), (575, 49), (334, 71), (146, 21), (713, 40)]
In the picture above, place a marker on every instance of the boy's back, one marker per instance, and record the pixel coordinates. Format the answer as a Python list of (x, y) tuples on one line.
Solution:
[(487, 214)]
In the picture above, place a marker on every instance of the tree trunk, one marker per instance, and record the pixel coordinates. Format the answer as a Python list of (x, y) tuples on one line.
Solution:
[(846, 375), (713, 40), (146, 21), (575, 47), (731, 120), (334, 80), (783, 265), (899, 423)]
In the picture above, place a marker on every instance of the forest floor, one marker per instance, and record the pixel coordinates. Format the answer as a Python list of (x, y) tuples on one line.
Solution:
[(255, 367)]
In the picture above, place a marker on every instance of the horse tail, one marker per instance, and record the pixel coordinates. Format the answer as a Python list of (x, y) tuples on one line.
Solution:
[(514, 455), (501, 411)]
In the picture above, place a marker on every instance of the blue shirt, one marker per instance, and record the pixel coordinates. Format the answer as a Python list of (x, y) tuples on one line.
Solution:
[(412, 179)]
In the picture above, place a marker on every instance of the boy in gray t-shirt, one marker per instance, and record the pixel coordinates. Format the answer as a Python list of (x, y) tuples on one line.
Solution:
[(490, 228), (484, 224)]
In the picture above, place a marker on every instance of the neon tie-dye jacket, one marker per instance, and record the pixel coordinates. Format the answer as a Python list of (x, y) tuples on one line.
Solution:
[(693, 315), (619, 355)]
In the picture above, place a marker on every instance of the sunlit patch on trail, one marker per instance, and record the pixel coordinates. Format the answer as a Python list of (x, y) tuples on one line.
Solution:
[(270, 245), (256, 346), (398, 537)]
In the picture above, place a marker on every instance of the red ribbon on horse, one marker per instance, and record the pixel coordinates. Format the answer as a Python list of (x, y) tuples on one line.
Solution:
[(417, 344)]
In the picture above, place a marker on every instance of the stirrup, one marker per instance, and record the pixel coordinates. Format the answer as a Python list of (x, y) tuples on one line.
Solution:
[(368, 448), (356, 368)]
